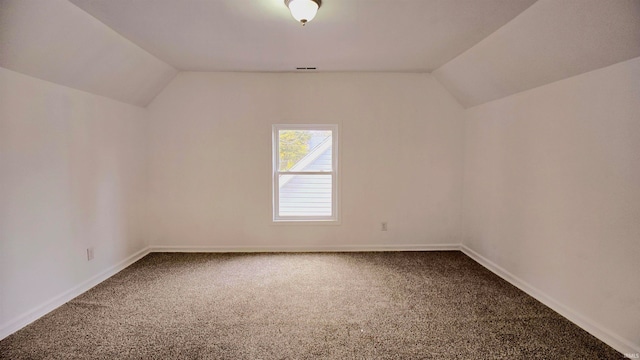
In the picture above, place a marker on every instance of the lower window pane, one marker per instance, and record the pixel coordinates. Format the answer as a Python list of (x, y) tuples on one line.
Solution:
[(305, 195)]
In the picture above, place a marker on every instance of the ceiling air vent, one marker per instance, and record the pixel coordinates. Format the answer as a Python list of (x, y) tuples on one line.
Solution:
[(306, 68)]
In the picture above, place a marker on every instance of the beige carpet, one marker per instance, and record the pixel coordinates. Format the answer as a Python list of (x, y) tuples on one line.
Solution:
[(398, 305)]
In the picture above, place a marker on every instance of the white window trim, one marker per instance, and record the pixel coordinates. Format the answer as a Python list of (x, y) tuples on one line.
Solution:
[(334, 218)]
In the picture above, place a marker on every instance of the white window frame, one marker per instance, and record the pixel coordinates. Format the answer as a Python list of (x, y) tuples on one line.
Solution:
[(334, 218)]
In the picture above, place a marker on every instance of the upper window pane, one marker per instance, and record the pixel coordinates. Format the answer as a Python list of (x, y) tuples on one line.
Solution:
[(305, 150)]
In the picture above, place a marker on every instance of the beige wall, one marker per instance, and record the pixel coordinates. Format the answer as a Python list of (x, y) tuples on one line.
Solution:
[(552, 193), (546, 180), (210, 164), (71, 176)]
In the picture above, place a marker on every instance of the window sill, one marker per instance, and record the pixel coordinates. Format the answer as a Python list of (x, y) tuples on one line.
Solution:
[(306, 222)]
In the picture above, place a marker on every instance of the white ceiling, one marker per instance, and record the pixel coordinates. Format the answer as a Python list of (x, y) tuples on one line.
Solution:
[(346, 35), (480, 50)]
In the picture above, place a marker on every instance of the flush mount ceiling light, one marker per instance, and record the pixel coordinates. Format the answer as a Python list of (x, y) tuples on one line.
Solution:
[(303, 10)]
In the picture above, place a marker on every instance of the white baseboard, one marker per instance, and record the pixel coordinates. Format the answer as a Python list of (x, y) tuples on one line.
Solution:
[(342, 248), (39, 311), (617, 342), (607, 336)]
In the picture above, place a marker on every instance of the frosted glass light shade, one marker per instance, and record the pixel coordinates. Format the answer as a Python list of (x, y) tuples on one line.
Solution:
[(303, 10)]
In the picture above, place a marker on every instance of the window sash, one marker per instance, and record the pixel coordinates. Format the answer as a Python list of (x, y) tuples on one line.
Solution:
[(333, 217)]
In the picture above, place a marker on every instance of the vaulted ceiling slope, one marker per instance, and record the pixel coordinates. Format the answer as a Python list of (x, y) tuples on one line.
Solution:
[(550, 41), (56, 41)]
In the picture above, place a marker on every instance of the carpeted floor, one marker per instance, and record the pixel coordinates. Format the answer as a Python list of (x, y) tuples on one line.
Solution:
[(396, 305)]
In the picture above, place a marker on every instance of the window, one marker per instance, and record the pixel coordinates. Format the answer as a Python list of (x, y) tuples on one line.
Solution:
[(305, 172)]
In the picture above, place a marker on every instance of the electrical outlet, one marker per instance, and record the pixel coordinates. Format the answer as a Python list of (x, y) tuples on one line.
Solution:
[(383, 226), (89, 254)]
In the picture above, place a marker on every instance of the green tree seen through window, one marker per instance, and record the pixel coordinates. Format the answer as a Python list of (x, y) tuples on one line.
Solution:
[(293, 146)]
